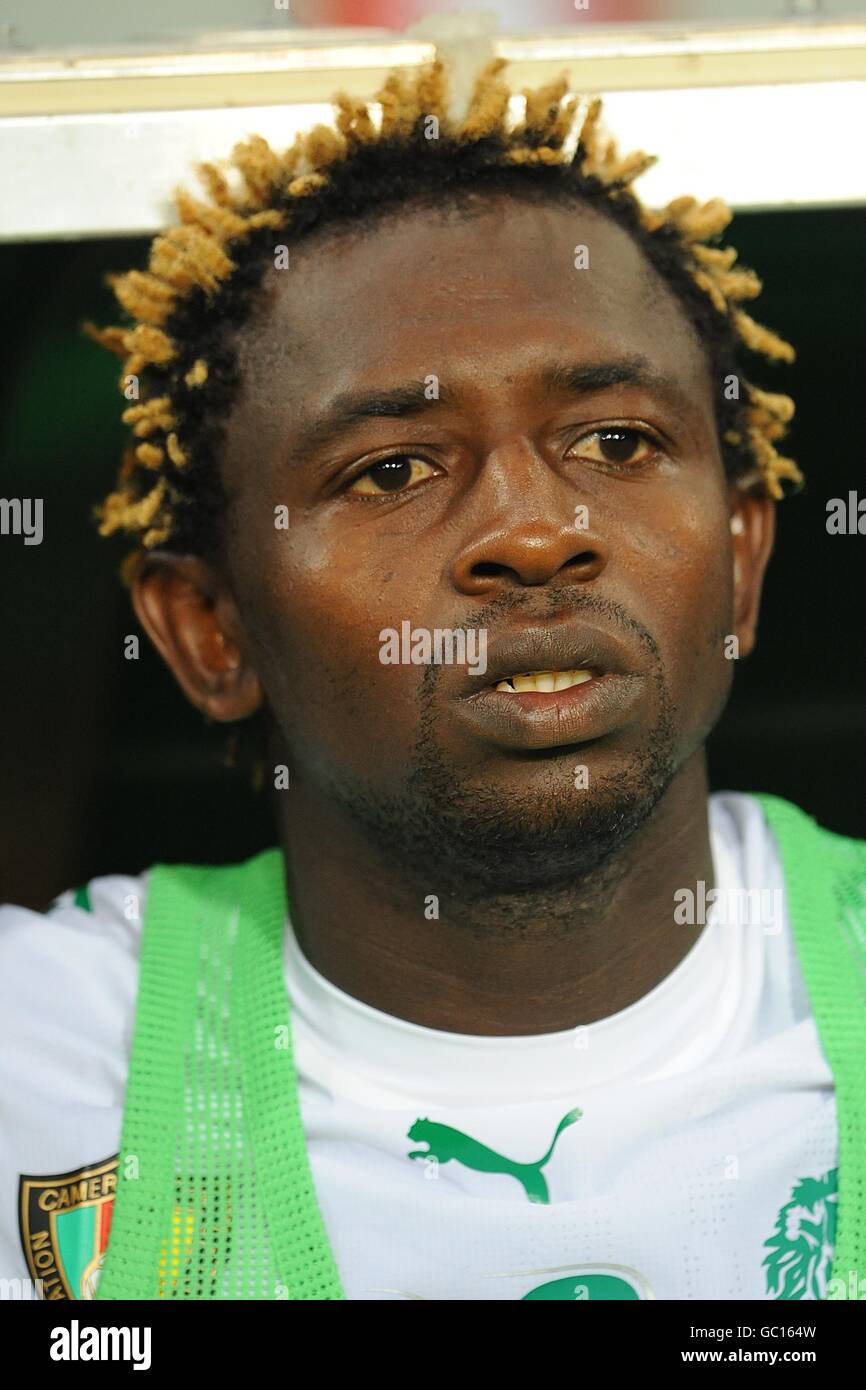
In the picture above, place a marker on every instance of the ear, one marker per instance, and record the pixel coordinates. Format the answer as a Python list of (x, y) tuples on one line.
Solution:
[(188, 613), (753, 532)]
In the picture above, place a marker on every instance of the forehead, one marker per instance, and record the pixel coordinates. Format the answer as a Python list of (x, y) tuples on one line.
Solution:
[(483, 299)]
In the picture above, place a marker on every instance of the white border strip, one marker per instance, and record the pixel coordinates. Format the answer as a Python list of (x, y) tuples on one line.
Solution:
[(756, 147)]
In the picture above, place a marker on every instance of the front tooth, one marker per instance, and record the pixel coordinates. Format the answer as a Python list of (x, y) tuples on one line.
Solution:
[(566, 679), (545, 682)]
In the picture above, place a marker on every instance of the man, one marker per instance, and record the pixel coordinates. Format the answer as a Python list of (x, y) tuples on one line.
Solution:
[(447, 471)]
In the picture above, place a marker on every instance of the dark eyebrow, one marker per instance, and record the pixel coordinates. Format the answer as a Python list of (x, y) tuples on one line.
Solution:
[(353, 407), (581, 378)]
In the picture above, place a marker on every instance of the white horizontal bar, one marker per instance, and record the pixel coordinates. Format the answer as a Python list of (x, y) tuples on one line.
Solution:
[(309, 65), (756, 147), (692, 38)]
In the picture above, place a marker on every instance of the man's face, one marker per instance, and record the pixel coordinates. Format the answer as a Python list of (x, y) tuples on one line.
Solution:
[(478, 523)]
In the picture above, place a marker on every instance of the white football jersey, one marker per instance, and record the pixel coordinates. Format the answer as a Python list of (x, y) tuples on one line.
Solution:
[(684, 1148)]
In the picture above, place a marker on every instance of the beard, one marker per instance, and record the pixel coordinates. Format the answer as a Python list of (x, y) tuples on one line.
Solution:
[(455, 836), (472, 841)]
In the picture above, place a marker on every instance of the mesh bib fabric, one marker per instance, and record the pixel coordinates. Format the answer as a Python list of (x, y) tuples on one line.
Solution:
[(215, 1196), (825, 877)]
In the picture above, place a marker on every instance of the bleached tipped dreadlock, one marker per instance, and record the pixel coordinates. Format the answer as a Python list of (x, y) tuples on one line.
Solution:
[(203, 273)]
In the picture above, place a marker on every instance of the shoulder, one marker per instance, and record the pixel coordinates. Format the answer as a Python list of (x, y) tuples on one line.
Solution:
[(68, 990), (68, 978), (86, 932), (786, 820)]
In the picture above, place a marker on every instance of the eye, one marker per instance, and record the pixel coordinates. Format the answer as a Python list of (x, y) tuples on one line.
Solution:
[(617, 445), (396, 473)]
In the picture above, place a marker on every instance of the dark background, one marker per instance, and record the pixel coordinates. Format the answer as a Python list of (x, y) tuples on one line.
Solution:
[(107, 769)]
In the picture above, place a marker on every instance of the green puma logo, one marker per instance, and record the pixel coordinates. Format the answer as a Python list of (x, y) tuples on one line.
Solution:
[(446, 1144)]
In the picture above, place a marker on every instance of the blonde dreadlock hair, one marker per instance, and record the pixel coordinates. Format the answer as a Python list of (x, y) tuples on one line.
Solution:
[(203, 273)]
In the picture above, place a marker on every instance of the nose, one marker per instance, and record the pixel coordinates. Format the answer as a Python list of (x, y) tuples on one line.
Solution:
[(528, 527)]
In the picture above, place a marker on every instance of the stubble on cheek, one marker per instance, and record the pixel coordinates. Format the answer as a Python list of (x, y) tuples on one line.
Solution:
[(705, 660)]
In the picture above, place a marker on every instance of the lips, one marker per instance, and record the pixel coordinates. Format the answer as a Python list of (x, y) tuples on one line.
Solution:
[(524, 706), (564, 647)]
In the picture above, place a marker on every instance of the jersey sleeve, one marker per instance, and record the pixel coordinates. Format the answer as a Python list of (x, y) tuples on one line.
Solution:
[(68, 987)]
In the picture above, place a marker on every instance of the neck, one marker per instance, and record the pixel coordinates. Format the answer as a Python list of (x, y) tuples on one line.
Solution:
[(540, 961)]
